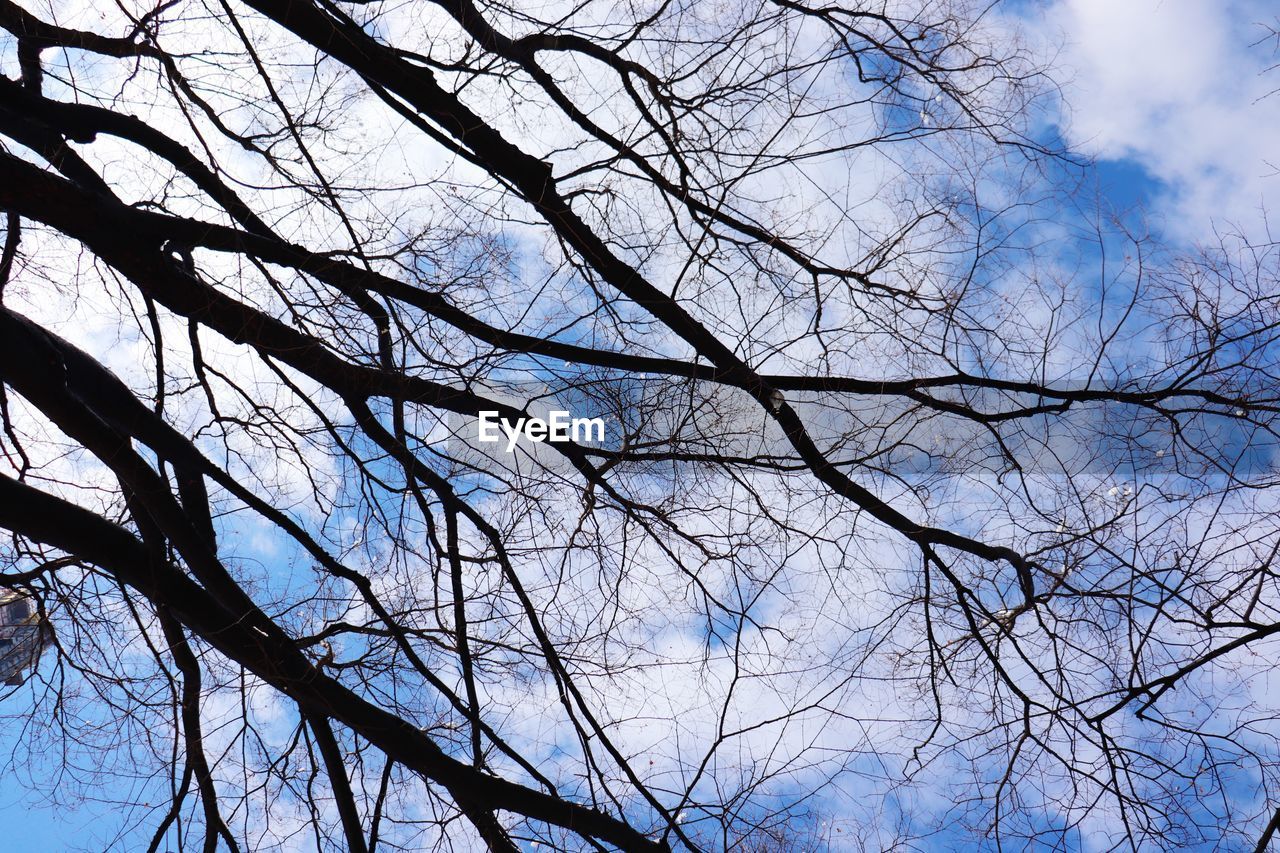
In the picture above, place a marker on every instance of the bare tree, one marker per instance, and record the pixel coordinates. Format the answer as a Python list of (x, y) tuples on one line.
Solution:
[(933, 505)]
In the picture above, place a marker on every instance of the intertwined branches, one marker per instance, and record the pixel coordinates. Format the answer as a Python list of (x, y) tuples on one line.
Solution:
[(916, 478)]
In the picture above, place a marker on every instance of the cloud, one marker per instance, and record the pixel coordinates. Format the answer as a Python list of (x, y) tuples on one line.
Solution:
[(1180, 88)]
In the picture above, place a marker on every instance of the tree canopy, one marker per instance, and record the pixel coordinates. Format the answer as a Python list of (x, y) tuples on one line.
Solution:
[(935, 505)]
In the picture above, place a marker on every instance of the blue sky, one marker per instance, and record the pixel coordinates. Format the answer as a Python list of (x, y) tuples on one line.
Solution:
[(1167, 95), (1172, 96)]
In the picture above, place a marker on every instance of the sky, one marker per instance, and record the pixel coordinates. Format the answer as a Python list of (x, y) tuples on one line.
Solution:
[(1171, 98), (1175, 100)]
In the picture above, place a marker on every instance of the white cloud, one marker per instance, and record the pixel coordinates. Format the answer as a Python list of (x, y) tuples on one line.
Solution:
[(1179, 87)]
